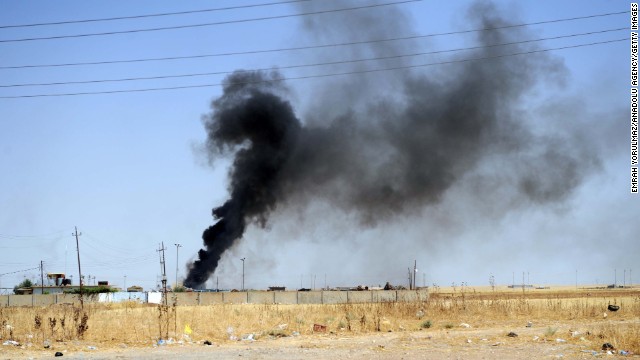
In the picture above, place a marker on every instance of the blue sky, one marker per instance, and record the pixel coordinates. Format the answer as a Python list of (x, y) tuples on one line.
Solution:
[(128, 169)]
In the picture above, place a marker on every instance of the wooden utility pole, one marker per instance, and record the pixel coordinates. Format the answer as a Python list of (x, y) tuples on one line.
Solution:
[(76, 234)]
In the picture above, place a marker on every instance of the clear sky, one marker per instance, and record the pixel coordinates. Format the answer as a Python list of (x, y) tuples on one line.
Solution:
[(130, 170)]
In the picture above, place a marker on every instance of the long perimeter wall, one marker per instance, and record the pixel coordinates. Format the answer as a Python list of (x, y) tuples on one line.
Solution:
[(210, 298)]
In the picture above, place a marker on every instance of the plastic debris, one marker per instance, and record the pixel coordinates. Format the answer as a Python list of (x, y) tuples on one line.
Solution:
[(535, 338), (161, 342), (11, 342), (295, 333), (46, 344), (512, 334), (282, 326), (468, 341), (465, 325), (248, 337), (529, 324), (230, 330), (91, 347), (592, 352), (624, 352), (187, 330), (208, 343), (233, 338), (58, 353), (561, 340)]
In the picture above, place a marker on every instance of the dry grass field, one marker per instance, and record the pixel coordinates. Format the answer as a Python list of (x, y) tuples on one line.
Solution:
[(569, 317)]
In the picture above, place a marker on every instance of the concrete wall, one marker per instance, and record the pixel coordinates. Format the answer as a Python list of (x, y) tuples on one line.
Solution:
[(334, 297), (67, 299), (412, 295), (184, 298), (309, 297), (20, 300), (44, 300), (234, 297), (261, 297), (359, 297), (286, 297), (211, 298), (384, 296)]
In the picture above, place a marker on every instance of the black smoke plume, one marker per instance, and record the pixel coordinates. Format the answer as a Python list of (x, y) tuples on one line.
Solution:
[(384, 144), (262, 129)]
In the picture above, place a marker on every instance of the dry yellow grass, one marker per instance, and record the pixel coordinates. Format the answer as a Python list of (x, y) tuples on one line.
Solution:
[(135, 324)]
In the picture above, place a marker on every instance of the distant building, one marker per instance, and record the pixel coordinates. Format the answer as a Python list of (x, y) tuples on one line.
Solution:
[(521, 286)]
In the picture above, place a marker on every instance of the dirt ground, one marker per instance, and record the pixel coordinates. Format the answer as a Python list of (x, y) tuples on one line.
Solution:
[(457, 343)]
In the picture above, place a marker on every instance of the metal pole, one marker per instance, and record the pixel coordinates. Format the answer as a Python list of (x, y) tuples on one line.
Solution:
[(76, 234), (177, 251), (243, 259)]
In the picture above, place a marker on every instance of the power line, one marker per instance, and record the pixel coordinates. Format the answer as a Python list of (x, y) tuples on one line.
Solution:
[(152, 15), (208, 24), (33, 236), (19, 271), (251, 52), (317, 76), (157, 77)]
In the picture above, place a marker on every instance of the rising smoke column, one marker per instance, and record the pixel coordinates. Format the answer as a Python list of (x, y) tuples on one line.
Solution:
[(260, 128), (387, 144)]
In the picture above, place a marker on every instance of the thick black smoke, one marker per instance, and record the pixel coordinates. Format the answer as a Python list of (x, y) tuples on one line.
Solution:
[(262, 130), (382, 144)]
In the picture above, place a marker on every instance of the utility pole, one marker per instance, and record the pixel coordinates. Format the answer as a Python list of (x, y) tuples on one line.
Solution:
[(415, 270), (178, 246), (164, 273), (243, 259), (76, 234), (41, 277)]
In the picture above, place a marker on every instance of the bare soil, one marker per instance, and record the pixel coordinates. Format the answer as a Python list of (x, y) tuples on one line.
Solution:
[(488, 342)]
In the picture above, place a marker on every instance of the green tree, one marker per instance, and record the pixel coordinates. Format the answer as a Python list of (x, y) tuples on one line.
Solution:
[(24, 284)]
